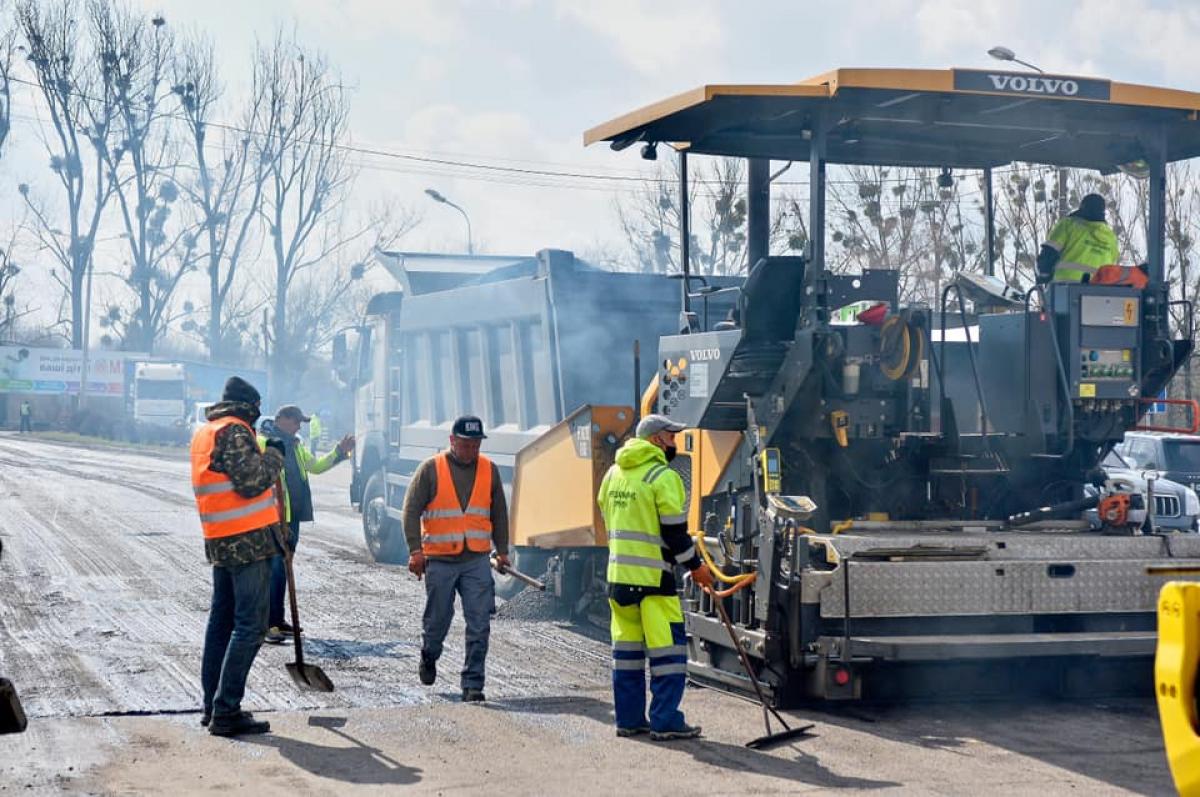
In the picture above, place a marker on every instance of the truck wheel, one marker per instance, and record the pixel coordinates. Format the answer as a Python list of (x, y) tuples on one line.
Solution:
[(383, 535)]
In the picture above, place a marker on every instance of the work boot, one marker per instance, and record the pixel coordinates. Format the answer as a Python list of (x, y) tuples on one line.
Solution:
[(473, 695), (274, 636), (684, 731), (427, 671), (287, 629), (240, 724), (636, 730), (206, 717)]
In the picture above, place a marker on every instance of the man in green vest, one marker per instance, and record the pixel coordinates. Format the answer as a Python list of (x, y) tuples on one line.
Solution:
[(645, 512), (297, 498), (1079, 244)]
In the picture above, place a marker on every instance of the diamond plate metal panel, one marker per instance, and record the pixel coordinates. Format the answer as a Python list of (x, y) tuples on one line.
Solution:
[(900, 589), (1011, 545)]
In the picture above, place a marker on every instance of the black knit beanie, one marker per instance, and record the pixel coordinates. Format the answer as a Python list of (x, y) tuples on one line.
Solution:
[(238, 389)]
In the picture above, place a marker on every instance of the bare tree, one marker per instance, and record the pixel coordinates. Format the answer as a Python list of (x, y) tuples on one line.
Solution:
[(9, 270), (66, 73), (651, 220), (227, 191), (331, 294), (136, 54), (8, 48), (300, 133)]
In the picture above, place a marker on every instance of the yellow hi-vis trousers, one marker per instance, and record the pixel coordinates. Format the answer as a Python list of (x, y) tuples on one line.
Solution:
[(652, 629)]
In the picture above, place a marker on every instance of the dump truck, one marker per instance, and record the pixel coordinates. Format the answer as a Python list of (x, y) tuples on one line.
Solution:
[(897, 500), (522, 342)]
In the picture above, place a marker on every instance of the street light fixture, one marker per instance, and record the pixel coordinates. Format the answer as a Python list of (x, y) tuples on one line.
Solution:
[(1005, 54), (437, 197)]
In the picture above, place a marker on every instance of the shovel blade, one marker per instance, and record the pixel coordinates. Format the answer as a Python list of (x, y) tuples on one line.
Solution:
[(764, 742), (310, 676), (12, 716)]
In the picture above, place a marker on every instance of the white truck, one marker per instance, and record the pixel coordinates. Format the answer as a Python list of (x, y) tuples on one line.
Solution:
[(160, 398)]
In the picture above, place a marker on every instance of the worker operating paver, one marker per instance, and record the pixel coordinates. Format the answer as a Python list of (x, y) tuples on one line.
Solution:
[(454, 513), (643, 503)]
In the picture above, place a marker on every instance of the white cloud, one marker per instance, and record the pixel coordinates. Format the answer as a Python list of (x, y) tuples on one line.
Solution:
[(428, 21), (652, 36)]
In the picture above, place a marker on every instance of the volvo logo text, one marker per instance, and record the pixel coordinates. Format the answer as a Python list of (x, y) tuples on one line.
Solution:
[(1035, 85)]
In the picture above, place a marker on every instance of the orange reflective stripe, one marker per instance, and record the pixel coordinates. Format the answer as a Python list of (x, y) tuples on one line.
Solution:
[(223, 512), (446, 527)]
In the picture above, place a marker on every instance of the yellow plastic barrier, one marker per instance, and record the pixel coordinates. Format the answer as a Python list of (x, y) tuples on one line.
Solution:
[(1175, 666)]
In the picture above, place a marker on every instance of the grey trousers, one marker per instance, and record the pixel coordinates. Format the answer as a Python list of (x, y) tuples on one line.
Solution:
[(472, 580)]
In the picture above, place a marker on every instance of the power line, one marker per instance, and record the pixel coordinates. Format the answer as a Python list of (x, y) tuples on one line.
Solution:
[(442, 160)]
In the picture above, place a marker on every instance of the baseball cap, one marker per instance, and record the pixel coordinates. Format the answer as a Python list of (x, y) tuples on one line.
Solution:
[(653, 424), (291, 411), (468, 426)]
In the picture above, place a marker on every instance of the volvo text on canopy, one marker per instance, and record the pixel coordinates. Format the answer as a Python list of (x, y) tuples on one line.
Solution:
[(931, 452)]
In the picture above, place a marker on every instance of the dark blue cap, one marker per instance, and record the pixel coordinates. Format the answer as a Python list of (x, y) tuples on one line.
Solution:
[(470, 427)]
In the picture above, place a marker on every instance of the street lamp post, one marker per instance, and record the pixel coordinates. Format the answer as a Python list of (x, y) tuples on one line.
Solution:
[(1005, 54), (437, 197)]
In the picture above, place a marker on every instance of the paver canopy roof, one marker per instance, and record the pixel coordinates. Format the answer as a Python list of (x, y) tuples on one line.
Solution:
[(925, 117)]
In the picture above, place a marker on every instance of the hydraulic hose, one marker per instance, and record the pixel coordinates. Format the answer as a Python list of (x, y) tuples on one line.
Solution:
[(738, 582)]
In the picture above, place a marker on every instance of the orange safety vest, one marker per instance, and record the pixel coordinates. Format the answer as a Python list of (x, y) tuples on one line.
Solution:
[(445, 525), (223, 512)]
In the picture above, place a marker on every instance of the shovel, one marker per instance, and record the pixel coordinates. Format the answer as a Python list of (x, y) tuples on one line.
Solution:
[(518, 575), (12, 717), (770, 739), (306, 676)]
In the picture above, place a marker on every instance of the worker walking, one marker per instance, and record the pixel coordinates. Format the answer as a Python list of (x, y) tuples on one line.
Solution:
[(26, 412), (644, 506), (1079, 244), (454, 514), (233, 481), (297, 498)]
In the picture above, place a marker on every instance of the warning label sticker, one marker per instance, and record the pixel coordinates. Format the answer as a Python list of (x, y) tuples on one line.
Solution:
[(698, 381)]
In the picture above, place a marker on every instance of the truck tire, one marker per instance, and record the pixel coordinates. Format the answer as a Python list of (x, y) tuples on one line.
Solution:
[(383, 534)]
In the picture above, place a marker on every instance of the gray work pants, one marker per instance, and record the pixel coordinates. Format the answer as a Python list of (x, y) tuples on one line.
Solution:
[(472, 580)]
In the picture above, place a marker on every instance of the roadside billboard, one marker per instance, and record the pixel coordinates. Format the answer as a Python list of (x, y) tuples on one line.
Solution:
[(25, 369)]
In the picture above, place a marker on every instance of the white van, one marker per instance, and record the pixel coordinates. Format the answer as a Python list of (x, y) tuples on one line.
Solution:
[(198, 418)]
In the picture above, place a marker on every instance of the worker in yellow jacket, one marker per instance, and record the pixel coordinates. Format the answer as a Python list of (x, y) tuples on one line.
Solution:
[(644, 506), (1079, 244), (297, 498)]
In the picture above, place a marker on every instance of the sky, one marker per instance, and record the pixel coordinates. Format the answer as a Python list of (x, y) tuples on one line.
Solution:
[(514, 83)]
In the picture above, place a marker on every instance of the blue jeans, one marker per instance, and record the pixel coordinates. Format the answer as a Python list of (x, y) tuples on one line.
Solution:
[(279, 576), (472, 580), (237, 623)]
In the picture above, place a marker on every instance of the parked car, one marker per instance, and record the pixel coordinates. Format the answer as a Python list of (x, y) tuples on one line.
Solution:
[(1176, 506), (1175, 456)]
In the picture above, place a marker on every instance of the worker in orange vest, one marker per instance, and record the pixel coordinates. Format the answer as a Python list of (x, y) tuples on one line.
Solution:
[(234, 482), (454, 514)]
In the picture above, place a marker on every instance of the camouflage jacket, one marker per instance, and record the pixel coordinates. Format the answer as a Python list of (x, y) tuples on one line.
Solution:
[(252, 471)]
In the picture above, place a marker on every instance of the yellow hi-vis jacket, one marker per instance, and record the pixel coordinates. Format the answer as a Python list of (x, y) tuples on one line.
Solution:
[(638, 495), (1083, 247)]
